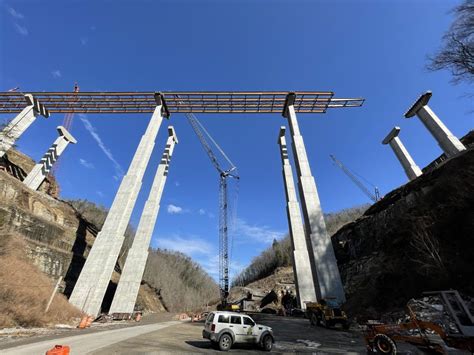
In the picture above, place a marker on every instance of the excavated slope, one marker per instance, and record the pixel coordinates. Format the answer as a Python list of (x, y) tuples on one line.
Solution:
[(419, 237)]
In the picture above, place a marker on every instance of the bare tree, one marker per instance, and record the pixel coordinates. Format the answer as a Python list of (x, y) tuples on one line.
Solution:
[(457, 53)]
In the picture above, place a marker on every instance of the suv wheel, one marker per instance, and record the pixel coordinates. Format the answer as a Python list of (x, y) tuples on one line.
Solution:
[(225, 342), (267, 343)]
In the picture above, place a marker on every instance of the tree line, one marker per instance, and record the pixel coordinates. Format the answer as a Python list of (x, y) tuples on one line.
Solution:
[(181, 284), (280, 253)]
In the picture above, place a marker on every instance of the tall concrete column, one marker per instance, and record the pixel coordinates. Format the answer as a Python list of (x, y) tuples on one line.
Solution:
[(132, 273), (92, 283), (450, 144), (411, 169), (305, 287), (41, 170), (20, 123), (321, 253)]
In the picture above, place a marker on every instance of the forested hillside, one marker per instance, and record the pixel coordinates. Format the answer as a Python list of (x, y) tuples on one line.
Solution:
[(280, 253), (180, 283)]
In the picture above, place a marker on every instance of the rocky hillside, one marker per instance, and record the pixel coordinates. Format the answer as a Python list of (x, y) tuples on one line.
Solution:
[(419, 237), (58, 236)]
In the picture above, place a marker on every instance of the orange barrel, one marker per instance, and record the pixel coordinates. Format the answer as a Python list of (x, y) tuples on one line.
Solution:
[(83, 323), (89, 321), (58, 350)]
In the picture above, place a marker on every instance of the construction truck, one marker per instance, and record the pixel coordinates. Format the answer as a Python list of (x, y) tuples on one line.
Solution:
[(327, 313)]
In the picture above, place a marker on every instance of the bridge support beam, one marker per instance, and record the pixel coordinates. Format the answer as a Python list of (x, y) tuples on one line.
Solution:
[(132, 273), (42, 169), (20, 123), (449, 143), (411, 169), (305, 287), (92, 283), (321, 253)]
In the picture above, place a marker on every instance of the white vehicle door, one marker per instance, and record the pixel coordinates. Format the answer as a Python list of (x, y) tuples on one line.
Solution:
[(222, 322), (250, 329), (237, 328)]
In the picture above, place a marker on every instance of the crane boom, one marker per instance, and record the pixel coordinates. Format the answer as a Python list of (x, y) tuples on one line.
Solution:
[(373, 196), (223, 201)]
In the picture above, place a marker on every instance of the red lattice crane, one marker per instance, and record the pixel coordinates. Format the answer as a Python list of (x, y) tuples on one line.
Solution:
[(67, 123)]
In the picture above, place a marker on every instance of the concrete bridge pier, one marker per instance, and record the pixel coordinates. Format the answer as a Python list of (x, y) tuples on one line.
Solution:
[(20, 123), (305, 287), (92, 283), (42, 169), (321, 253), (411, 169), (132, 273), (449, 143)]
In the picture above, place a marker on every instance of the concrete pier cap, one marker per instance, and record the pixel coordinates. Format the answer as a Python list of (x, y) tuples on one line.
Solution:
[(172, 133), (290, 100), (422, 101), (160, 101), (64, 133), (393, 133), (38, 107), (281, 133)]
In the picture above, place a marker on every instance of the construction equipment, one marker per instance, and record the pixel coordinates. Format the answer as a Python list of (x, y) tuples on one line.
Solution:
[(441, 322), (375, 196), (224, 174), (327, 313)]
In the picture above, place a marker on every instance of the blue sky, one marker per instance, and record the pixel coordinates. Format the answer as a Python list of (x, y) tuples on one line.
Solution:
[(371, 49)]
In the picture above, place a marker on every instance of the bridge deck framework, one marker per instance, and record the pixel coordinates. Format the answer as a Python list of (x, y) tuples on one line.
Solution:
[(179, 101)]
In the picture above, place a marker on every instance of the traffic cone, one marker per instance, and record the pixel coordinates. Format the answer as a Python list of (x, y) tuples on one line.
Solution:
[(59, 350)]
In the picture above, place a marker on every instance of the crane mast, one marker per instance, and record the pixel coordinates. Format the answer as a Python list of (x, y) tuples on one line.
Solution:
[(224, 174), (375, 196)]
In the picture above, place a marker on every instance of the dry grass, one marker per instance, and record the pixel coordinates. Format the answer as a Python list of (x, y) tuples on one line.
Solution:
[(25, 290)]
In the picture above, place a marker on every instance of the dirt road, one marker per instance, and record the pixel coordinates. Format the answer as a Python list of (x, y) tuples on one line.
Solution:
[(291, 334)]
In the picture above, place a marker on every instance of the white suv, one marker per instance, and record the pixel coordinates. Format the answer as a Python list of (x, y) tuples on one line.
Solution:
[(226, 328)]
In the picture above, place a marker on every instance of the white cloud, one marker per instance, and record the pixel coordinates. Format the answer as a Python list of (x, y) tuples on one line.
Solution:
[(56, 73), (100, 193), (263, 234), (21, 29), (189, 246), (118, 169), (173, 209), (203, 212), (84, 40), (86, 164), (177, 184), (15, 14)]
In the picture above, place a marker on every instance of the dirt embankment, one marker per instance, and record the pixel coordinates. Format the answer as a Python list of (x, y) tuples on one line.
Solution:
[(25, 290), (419, 237)]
